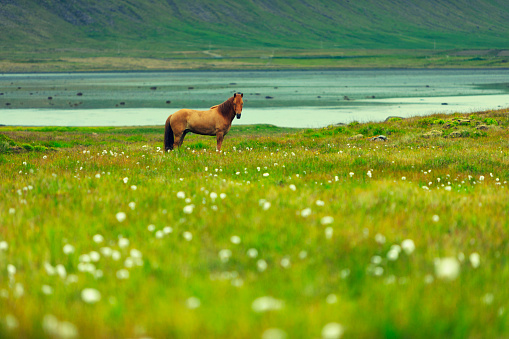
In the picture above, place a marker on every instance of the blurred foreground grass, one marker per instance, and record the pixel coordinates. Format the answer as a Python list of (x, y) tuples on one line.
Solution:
[(286, 234)]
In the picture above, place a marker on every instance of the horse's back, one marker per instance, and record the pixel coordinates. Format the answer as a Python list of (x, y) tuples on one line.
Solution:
[(182, 115), (201, 122)]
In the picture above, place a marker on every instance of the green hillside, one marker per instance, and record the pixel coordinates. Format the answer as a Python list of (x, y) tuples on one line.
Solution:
[(184, 24), (42, 31)]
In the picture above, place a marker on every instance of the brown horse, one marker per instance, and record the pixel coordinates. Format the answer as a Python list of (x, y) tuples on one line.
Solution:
[(216, 121)]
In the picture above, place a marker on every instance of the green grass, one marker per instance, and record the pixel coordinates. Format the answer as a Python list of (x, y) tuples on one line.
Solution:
[(427, 189), (249, 59)]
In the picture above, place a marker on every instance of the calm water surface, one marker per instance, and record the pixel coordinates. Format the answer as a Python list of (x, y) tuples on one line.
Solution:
[(282, 98)]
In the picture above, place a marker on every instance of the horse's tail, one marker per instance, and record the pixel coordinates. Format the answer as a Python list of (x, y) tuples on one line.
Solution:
[(168, 136)]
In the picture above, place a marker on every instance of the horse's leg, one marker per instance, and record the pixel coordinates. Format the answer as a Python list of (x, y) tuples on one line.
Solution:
[(178, 137), (219, 137), (182, 137)]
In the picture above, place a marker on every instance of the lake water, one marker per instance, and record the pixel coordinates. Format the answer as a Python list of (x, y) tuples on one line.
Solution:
[(281, 98)]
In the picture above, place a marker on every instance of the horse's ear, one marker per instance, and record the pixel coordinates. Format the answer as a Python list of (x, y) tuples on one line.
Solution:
[(234, 95), (241, 95)]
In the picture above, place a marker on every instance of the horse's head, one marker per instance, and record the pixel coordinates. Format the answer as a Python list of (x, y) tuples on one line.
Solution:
[(238, 103)]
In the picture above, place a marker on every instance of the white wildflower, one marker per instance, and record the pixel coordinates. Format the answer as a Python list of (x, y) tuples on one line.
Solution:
[(135, 253), (306, 212), (447, 268), (274, 333), (331, 299), (58, 329), (224, 255), (188, 236), (475, 259), (188, 209), (11, 269), (98, 238), (408, 246), (329, 231), (393, 254), (285, 262), (267, 303), (379, 238), (193, 303), (61, 271), (115, 255), (90, 295), (50, 270), (332, 331), (261, 265), (106, 251), (11, 323), (252, 252), (19, 290), (123, 242), (68, 249), (46, 289), (327, 220), (120, 216), (122, 274)]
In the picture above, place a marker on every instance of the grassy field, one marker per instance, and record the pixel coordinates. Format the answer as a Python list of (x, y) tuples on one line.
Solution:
[(317, 233), (51, 60)]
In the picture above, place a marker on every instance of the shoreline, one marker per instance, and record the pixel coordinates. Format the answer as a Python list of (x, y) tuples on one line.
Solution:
[(254, 59), (225, 70)]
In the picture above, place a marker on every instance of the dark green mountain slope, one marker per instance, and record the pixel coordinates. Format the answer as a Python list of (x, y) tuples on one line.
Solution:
[(195, 24)]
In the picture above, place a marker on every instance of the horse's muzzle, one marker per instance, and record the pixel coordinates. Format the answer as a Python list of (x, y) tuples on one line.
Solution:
[(238, 115)]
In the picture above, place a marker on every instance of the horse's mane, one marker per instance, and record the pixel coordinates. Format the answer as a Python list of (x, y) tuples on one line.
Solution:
[(225, 108)]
